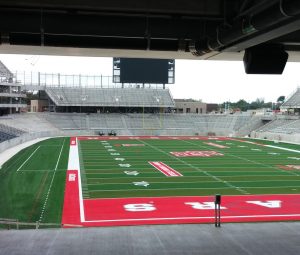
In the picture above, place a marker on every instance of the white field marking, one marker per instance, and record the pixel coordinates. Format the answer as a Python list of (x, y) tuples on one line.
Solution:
[(144, 172), (128, 173), (152, 189), (120, 159), (169, 189), (81, 207), (171, 182), (245, 159), (281, 148), (294, 158), (124, 165), (50, 186), (28, 158), (41, 170), (176, 163), (50, 145), (195, 218), (141, 183), (191, 177), (192, 196), (197, 168)]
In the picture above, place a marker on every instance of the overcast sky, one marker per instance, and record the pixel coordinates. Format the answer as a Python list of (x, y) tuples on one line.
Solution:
[(210, 81)]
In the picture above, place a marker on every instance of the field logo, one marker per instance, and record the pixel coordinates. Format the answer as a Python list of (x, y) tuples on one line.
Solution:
[(165, 169), (132, 145), (289, 167), (196, 154)]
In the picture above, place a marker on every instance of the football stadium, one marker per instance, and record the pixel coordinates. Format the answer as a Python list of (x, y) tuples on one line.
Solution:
[(94, 164)]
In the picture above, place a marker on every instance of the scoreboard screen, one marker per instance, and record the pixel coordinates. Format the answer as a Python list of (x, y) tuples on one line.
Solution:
[(140, 70)]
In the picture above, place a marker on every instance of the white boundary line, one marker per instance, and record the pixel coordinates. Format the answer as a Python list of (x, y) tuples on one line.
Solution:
[(82, 216), (281, 148), (205, 196), (74, 164), (204, 217), (28, 158), (81, 206)]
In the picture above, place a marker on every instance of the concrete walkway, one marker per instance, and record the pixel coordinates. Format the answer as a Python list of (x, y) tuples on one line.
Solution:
[(231, 239)]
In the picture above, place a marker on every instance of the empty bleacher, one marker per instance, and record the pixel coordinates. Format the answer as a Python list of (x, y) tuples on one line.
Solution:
[(8, 132), (29, 122), (283, 126), (129, 123), (293, 101), (115, 97)]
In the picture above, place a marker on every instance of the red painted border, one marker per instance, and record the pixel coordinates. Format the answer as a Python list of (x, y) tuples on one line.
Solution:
[(202, 138), (71, 210)]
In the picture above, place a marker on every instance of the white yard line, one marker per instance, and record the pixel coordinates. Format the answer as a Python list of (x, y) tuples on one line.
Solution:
[(281, 148), (248, 160), (28, 158), (54, 172), (197, 168)]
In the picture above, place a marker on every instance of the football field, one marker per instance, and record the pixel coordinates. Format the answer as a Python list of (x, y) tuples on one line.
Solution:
[(161, 180), (105, 181)]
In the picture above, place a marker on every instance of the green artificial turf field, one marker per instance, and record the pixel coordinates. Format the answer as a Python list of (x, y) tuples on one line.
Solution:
[(244, 169), (32, 182)]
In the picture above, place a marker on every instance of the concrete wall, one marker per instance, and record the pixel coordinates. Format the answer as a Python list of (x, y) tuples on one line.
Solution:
[(25, 138)]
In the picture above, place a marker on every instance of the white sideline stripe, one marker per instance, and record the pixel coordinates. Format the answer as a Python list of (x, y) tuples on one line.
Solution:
[(281, 148), (204, 217), (81, 207), (28, 158), (73, 164)]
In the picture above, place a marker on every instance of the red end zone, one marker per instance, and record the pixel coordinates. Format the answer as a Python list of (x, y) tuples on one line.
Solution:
[(173, 210)]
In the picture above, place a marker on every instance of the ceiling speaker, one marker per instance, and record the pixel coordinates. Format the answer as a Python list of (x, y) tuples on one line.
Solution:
[(265, 59)]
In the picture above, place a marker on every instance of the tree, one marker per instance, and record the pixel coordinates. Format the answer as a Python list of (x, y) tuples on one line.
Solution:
[(242, 105)]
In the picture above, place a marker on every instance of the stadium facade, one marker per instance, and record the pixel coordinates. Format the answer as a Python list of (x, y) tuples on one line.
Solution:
[(93, 105)]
